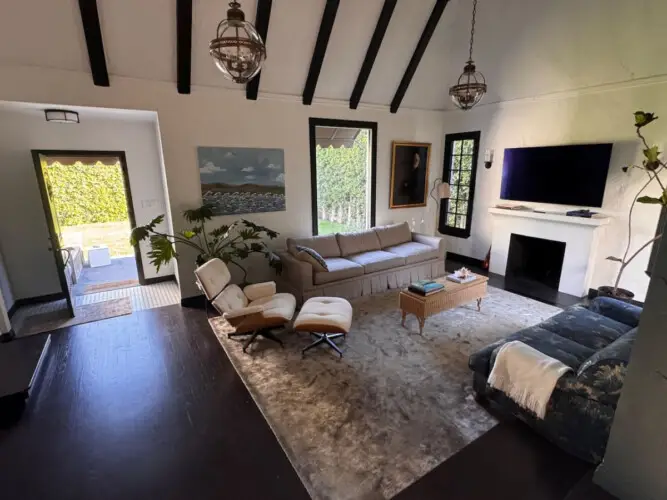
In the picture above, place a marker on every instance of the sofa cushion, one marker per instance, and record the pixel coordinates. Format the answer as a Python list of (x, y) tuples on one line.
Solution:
[(377, 261), (414, 252), (339, 269), (326, 246), (585, 327), (313, 258), (617, 310), (393, 234), (564, 350), (359, 242)]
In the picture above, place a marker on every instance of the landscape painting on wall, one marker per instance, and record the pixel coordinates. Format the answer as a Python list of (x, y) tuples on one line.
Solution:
[(242, 180)]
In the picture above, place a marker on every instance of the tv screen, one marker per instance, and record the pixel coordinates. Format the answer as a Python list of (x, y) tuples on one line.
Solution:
[(562, 175)]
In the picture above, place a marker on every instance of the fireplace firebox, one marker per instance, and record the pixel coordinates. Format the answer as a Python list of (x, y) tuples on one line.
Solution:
[(534, 265)]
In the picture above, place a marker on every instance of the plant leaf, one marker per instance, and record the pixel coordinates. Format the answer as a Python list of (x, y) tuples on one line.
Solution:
[(162, 251), (642, 119), (154, 223), (201, 214), (650, 200), (188, 234), (615, 259), (652, 154), (138, 234)]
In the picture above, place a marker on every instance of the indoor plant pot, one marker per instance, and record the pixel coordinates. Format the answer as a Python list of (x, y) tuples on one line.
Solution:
[(620, 294)]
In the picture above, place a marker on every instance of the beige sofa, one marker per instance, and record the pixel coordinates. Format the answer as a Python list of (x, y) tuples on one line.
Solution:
[(362, 263)]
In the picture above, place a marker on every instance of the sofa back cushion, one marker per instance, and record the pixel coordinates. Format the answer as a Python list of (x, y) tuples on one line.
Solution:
[(326, 245), (359, 242), (393, 234), (605, 370)]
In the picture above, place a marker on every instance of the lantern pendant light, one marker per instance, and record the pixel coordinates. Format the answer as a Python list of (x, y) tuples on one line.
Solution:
[(237, 48), (471, 86)]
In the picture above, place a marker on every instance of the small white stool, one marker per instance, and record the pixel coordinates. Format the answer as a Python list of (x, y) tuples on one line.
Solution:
[(99, 256), (327, 318)]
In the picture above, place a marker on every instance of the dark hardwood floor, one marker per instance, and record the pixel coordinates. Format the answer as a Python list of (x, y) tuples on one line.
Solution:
[(142, 406), (149, 406)]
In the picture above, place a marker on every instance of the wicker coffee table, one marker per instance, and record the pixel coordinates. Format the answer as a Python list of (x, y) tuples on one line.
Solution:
[(454, 295)]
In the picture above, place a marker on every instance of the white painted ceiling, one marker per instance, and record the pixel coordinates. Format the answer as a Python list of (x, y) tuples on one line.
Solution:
[(525, 48)]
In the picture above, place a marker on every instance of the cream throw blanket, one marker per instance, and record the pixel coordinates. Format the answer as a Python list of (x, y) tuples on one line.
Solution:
[(526, 375)]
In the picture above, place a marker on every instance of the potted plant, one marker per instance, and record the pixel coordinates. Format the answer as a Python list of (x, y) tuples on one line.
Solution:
[(230, 243), (652, 165)]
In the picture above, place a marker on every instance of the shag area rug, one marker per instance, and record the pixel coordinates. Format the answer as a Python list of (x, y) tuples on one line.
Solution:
[(54, 320), (394, 407)]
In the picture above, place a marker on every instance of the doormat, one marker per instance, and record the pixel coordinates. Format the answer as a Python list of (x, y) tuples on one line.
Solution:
[(46, 322), (105, 287)]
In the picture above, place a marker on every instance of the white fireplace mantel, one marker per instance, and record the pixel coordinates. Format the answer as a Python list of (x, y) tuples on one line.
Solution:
[(579, 234)]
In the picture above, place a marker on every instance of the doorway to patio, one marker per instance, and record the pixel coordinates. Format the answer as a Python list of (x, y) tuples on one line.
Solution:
[(88, 205)]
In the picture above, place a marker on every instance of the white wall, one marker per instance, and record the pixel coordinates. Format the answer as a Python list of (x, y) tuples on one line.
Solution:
[(214, 117), (29, 263), (603, 116)]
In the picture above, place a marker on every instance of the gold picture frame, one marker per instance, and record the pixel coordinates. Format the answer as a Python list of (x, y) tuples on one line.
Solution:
[(410, 163)]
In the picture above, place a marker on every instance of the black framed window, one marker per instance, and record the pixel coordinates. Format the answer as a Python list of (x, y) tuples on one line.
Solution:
[(460, 171)]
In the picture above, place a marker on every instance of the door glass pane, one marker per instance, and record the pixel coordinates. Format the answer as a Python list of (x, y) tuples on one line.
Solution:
[(454, 177), (466, 162), (451, 220), (457, 147), (461, 221), (456, 163), (468, 147), (464, 192)]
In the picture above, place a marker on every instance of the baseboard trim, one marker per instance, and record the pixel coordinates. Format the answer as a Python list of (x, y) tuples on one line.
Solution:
[(30, 301), (195, 302), (592, 293), (159, 279), (464, 259)]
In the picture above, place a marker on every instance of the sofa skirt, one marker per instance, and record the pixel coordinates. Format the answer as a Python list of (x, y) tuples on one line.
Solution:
[(379, 282)]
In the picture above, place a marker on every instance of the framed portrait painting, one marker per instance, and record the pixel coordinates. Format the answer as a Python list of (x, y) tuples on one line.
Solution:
[(409, 174)]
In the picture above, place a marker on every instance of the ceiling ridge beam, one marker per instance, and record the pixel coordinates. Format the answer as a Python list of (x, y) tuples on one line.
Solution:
[(328, 18), (262, 26), (93, 33), (424, 40), (372, 52), (183, 45)]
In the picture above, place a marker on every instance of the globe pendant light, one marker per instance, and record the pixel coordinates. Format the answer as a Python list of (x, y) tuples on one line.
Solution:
[(237, 48), (471, 86)]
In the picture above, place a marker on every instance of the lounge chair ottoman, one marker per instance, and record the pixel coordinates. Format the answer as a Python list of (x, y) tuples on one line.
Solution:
[(327, 319)]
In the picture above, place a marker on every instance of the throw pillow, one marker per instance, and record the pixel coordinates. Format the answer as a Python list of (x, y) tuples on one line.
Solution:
[(312, 257)]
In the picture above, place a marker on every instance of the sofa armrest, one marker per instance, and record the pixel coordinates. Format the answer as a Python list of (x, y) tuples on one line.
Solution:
[(259, 290), (432, 241), (243, 311), (297, 273), (617, 310)]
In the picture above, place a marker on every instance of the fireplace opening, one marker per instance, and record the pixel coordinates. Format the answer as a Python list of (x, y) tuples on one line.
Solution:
[(534, 265)]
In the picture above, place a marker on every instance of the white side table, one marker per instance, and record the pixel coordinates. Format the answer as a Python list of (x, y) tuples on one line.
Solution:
[(99, 256)]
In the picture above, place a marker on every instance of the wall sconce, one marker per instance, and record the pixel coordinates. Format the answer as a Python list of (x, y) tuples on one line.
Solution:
[(488, 158), (61, 116)]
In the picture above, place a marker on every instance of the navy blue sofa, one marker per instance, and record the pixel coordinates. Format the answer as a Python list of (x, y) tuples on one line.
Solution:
[(596, 342)]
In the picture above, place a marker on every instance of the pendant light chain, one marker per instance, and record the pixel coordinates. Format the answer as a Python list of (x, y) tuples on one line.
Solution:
[(472, 29)]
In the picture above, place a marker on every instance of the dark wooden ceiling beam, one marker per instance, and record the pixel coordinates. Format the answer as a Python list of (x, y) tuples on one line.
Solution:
[(262, 25), (183, 45), (91, 29), (372, 52), (424, 40), (328, 18)]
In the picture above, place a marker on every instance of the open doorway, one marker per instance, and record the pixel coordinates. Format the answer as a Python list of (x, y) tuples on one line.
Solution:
[(343, 172), (90, 208)]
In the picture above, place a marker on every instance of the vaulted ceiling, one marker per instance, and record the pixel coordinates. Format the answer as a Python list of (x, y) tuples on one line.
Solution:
[(524, 47)]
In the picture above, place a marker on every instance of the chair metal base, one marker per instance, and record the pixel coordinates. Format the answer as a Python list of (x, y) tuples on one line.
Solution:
[(327, 339), (266, 333)]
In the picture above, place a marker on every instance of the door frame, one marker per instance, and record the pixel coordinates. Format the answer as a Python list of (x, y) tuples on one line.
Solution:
[(47, 209), (335, 122)]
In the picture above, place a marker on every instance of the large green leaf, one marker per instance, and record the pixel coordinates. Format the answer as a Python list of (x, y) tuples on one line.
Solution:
[(138, 234), (652, 154), (162, 251), (201, 214)]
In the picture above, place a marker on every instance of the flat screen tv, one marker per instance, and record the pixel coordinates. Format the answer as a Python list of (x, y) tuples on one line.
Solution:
[(563, 175)]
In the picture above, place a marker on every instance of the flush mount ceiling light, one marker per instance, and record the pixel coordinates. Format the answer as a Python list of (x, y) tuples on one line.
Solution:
[(237, 48), (61, 116), (471, 86)]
